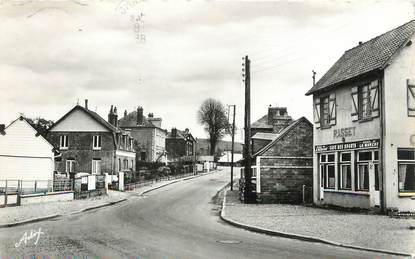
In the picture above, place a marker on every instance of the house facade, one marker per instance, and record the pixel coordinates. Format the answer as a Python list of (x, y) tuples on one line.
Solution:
[(147, 132), (364, 125), (90, 144), (25, 154), (180, 145)]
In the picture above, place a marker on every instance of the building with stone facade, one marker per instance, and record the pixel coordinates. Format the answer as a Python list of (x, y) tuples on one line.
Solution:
[(90, 144), (364, 125), (282, 157), (180, 145), (148, 134)]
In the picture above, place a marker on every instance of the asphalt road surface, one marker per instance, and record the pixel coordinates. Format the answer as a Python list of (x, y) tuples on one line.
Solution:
[(178, 221)]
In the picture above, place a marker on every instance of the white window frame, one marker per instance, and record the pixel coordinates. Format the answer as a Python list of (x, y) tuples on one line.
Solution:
[(365, 163), (404, 162), (96, 142), (63, 142), (341, 164), (324, 165), (71, 163), (96, 166)]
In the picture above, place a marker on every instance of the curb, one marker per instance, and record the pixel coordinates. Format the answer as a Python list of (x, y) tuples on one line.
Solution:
[(301, 237), (29, 221)]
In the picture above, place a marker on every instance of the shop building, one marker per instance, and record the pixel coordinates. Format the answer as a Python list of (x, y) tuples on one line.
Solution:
[(364, 125)]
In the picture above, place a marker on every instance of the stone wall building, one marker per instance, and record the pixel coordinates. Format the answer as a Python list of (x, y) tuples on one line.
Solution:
[(282, 157), (148, 134), (90, 144), (180, 145)]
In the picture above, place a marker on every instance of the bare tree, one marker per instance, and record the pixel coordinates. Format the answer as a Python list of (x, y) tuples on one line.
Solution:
[(212, 115)]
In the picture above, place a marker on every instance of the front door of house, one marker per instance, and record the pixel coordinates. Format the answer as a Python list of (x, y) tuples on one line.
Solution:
[(374, 184)]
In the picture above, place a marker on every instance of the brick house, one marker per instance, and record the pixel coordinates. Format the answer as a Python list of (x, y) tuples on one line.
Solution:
[(180, 145), (147, 132), (90, 144), (364, 114), (283, 163)]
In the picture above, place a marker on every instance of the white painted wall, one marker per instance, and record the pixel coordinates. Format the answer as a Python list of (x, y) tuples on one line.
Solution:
[(398, 126), (23, 156), (78, 120)]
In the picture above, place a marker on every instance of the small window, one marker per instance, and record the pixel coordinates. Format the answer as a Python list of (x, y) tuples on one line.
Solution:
[(323, 158), (345, 157), (63, 141), (365, 156), (70, 166), (96, 142), (330, 158), (376, 155), (325, 112), (406, 154), (364, 102)]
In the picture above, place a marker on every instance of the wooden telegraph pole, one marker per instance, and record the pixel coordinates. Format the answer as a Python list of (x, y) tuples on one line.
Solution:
[(248, 195)]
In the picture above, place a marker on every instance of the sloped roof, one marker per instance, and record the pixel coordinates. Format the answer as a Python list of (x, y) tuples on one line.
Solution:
[(282, 134), (262, 123), (265, 136), (369, 56), (131, 121), (93, 115), (181, 134)]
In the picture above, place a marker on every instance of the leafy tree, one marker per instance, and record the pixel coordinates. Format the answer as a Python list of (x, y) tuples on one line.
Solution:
[(42, 125), (212, 115)]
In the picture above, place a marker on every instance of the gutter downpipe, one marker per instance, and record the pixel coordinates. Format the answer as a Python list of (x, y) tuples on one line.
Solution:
[(382, 143)]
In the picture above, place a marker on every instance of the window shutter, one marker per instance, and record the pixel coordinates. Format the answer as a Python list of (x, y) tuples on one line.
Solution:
[(332, 108), (317, 112), (411, 97), (355, 101), (374, 97)]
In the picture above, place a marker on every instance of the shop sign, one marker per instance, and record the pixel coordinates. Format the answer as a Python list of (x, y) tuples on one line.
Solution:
[(371, 143)]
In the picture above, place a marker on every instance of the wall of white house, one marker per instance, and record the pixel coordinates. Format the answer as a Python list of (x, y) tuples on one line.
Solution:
[(23, 156), (399, 127), (360, 131), (79, 121)]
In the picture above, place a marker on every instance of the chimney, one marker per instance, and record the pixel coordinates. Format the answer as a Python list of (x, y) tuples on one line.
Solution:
[(187, 130), (278, 117), (360, 43), (111, 115), (140, 117), (86, 104), (174, 132), (150, 115), (115, 117), (125, 113)]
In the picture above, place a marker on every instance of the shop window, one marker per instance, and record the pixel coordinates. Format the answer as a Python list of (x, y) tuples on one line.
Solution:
[(364, 160), (406, 170), (327, 171), (345, 172)]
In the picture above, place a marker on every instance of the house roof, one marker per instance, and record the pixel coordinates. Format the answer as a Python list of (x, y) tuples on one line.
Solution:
[(262, 123), (282, 134), (93, 115), (181, 134), (369, 56), (265, 136), (131, 121)]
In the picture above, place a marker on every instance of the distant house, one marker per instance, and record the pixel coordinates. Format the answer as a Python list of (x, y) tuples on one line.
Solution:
[(90, 144), (24, 153), (147, 131), (282, 157), (364, 117), (180, 145), (266, 129)]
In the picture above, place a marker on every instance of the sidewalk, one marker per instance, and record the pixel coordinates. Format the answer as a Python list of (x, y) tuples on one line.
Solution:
[(376, 232), (10, 216)]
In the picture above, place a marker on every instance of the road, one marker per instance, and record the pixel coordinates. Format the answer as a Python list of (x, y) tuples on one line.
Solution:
[(177, 221)]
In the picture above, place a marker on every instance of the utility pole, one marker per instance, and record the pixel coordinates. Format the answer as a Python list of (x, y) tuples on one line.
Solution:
[(248, 197), (233, 142)]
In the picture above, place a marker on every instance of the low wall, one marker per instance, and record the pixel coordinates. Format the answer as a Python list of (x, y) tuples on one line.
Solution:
[(346, 199), (48, 197)]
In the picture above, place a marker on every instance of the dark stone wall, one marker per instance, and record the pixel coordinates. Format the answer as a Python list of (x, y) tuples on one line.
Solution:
[(282, 179)]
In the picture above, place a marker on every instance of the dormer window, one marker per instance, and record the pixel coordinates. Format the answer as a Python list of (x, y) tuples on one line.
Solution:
[(96, 142), (63, 142)]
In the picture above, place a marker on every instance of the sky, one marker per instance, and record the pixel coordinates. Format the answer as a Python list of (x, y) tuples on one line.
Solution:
[(169, 56)]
